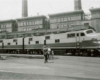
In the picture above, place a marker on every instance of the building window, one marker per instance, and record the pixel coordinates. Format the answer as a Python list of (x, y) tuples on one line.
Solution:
[(51, 21), (30, 23), (37, 42), (29, 29), (65, 25), (1, 26), (27, 23), (65, 19), (55, 20), (61, 19), (3, 36), (86, 24), (33, 23), (21, 24), (24, 29), (24, 23), (40, 21), (8, 25), (68, 18), (58, 19), (57, 41), (61, 26)]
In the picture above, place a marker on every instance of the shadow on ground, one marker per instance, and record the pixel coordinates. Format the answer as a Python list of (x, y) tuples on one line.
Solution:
[(34, 57), (19, 76)]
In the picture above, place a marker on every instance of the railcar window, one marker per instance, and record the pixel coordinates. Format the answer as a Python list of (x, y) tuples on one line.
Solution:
[(37, 42), (0, 37), (3, 37), (82, 34), (1, 41), (89, 31), (57, 41), (14, 40), (8, 43), (47, 37), (71, 35), (30, 39), (28, 42), (77, 34), (16, 43)]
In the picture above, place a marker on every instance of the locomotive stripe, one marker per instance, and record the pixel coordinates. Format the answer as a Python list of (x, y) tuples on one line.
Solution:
[(84, 44)]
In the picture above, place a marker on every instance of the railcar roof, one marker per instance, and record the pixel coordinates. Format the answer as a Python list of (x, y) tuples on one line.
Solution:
[(79, 31)]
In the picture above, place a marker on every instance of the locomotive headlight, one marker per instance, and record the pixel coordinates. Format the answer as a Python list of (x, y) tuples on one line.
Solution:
[(94, 40), (97, 41)]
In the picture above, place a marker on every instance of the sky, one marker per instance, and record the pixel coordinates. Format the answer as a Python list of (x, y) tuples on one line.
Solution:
[(12, 9)]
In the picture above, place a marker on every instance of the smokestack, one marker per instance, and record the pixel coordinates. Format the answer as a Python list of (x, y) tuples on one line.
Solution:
[(24, 8), (77, 5)]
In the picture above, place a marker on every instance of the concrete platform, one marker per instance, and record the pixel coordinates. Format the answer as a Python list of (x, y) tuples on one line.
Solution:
[(61, 68)]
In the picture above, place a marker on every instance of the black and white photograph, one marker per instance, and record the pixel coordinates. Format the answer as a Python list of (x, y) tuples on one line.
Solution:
[(49, 39)]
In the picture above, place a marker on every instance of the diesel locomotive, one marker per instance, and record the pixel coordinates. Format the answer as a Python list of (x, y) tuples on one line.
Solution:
[(82, 42)]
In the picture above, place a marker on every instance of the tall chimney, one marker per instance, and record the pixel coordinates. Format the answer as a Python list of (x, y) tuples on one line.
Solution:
[(24, 8), (77, 5)]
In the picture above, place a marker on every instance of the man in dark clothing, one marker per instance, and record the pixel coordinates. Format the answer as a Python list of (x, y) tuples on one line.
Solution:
[(45, 52)]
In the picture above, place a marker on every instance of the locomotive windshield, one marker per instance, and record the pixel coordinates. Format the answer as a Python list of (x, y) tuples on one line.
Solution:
[(89, 31)]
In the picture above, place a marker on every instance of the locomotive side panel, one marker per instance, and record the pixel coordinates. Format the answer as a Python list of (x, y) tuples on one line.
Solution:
[(35, 42)]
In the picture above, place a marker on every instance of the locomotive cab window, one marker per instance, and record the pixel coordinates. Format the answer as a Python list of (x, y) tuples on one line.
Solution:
[(57, 41), (37, 42), (89, 31), (47, 37), (82, 34)]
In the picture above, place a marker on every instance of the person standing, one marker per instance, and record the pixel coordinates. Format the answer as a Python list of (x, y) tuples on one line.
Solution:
[(45, 53), (49, 51), (52, 53)]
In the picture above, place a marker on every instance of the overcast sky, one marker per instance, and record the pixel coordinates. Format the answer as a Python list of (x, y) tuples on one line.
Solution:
[(12, 9)]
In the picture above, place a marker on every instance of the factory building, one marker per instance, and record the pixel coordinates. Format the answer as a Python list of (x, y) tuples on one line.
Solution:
[(31, 23), (95, 20), (59, 21), (8, 26)]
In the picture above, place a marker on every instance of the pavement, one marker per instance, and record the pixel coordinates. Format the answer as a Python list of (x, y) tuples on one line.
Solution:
[(60, 68)]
